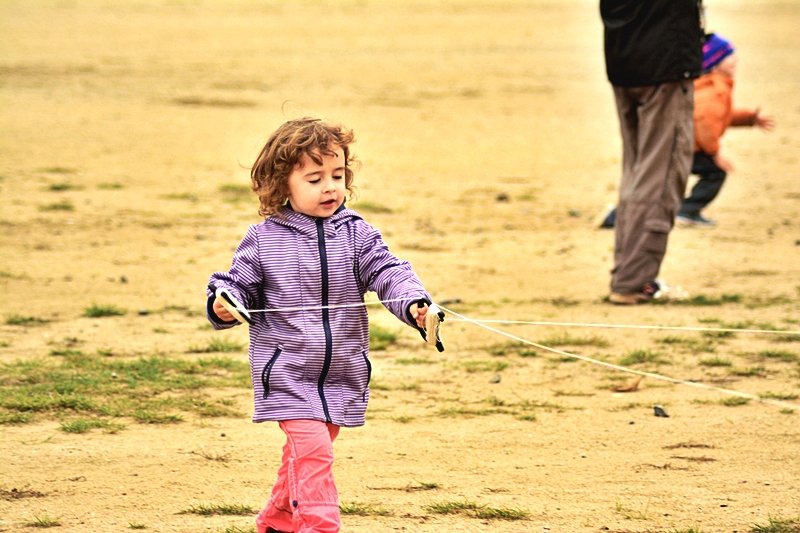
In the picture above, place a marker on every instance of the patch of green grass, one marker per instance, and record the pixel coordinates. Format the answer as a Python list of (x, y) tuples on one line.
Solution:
[(110, 186), (65, 352), (753, 371), (414, 361), (84, 425), (362, 509), (422, 486), (638, 357), (237, 529), (372, 207), (786, 396), (739, 324), (402, 419), (703, 300), (768, 301), (784, 337), (778, 525), (507, 348), (144, 416), (718, 334), (218, 345), (20, 320), (63, 186), (57, 170), (100, 311), (715, 362), (734, 401), (63, 205), (474, 510), (457, 412), (501, 513), (13, 419), (236, 192), (530, 405), (484, 366), (197, 101), (148, 390), (380, 338), (690, 344), (564, 302), (781, 355), (451, 507), (632, 514), (44, 522), (574, 394), (136, 525), (183, 196), (225, 509), (216, 457)]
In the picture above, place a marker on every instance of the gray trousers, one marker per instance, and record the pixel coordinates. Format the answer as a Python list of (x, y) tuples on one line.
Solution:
[(657, 140)]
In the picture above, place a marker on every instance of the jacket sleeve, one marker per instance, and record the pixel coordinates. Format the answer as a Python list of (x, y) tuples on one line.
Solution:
[(243, 280), (391, 278), (743, 117)]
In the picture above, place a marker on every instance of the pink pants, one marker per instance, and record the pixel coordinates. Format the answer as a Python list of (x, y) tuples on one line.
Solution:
[(304, 498)]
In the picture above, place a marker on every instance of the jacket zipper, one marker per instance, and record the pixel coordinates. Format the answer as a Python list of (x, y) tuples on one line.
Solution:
[(268, 370), (326, 324), (369, 375)]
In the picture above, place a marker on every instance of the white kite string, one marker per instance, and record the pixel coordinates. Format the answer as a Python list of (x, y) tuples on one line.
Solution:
[(627, 326), (653, 375), (319, 307), (484, 324), (536, 323)]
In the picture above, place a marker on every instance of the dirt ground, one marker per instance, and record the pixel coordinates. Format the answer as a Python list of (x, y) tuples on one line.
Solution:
[(488, 144)]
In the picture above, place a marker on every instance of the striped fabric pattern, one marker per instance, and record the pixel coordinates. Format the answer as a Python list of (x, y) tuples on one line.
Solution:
[(314, 364)]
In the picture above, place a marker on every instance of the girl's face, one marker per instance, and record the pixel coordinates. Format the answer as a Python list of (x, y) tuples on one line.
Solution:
[(728, 66), (318, 190)]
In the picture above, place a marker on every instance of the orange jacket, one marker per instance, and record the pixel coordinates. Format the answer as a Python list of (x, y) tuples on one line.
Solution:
[(714, 112)]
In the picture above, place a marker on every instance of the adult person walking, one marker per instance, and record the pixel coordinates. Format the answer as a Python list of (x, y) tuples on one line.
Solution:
[(653, 51)]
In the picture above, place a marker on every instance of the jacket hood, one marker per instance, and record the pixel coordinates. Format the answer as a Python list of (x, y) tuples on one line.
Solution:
[(307, 225)]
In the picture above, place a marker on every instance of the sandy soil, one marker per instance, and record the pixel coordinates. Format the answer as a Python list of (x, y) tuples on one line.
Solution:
[(488, 131)]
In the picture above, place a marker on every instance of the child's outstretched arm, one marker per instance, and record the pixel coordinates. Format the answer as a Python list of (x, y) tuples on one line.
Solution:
[(392, 279), (752, 117)]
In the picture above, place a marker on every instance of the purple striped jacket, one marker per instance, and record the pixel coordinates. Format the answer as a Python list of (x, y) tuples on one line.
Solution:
[(313, 364)]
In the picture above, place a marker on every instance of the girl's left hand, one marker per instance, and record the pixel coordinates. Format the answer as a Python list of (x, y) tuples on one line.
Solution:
[(764, 122), (418, 314)]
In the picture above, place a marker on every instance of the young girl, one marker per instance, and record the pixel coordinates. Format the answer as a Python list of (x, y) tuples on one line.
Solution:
[(713, 114), (309, 359)]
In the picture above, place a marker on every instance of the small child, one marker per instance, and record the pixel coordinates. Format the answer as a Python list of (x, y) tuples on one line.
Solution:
[(713, 113), (314, 258)]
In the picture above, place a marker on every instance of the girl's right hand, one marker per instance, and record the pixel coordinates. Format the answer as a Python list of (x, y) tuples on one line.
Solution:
[(763, 122), (221, 312)]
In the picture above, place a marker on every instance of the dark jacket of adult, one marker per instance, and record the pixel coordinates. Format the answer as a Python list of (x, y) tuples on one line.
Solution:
[(649, 42)]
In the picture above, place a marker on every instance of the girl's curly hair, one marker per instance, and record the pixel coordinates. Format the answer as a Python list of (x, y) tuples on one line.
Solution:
[(283, 151)]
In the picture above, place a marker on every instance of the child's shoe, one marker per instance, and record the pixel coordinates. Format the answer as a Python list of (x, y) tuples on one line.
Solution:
[(608, 218), (694, 219)]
